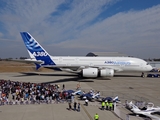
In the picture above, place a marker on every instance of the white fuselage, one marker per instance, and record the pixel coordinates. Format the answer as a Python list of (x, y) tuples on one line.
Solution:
[(115, 63)]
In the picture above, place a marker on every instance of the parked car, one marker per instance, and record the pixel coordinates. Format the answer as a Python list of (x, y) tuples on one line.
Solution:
[(153, 75), (86, 96), (155, 70)]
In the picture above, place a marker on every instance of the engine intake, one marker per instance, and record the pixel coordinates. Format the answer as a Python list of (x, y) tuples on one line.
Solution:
[(94, 72), (107, 73), (90, 72)]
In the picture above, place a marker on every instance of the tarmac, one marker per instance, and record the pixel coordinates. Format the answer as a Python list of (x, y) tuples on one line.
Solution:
[(128, 86)]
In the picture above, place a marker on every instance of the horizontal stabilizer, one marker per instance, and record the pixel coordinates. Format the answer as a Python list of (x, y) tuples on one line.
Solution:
[(27, 61)]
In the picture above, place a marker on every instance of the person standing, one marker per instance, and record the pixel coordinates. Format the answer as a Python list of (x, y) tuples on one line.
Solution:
[(86, 102), (70, 106), (103, 104), (78, 107), (111, 105), (63, 87), (96, 117), (75, 105), (107, 105), (78, 86)]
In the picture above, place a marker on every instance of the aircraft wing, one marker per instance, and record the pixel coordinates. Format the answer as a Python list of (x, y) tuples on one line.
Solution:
[(69, 68), (111, 67), (151, 116)]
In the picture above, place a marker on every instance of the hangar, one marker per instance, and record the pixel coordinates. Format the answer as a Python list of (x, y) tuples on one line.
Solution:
[(108, 54), (155, 64)]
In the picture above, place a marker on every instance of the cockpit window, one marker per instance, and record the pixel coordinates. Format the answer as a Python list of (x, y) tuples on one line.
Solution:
[(147, 63)]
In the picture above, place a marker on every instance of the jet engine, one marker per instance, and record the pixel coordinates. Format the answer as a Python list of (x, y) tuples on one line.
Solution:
[(90, 72), (107, 73), (94, 72)]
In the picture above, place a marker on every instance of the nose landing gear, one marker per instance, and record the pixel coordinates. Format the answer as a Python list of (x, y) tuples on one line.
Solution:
[(142, 75)]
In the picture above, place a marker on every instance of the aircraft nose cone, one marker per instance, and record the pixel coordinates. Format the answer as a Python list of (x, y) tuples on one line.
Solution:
[(150, 68)]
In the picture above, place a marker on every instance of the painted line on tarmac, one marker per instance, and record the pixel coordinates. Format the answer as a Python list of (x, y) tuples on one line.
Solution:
[(87, 112)]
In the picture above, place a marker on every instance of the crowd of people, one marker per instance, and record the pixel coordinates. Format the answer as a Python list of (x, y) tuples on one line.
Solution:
[(14, 92)]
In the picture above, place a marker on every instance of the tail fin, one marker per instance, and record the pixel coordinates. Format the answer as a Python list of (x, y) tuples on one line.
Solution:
[(115, 99), (35, 50), (96, 96), (134, 107)]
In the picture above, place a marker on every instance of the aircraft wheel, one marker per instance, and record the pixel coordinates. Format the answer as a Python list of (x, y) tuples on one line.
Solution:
[(80, 76)]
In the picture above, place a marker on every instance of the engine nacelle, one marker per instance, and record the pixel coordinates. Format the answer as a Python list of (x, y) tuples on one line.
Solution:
[(90, 72), (107, 73)]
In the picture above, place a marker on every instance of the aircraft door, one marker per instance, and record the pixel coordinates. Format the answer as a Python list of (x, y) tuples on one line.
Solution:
[(77, 60), (60, 60), (142, 66)]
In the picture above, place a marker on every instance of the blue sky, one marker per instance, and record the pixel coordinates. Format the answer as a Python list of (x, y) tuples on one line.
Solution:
[(76, 27)]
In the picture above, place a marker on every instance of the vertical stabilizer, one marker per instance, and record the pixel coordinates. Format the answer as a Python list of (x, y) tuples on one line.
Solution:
[(134, 107), (35, 50)]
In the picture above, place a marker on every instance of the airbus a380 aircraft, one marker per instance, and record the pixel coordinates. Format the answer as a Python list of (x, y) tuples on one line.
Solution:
[(84, 66)]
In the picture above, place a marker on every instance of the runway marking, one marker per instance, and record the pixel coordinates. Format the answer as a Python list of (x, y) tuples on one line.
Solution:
[(24, 114), (87, 112)]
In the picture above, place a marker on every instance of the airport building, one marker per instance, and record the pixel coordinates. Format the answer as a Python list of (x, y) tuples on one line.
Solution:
[(155, 64), (108, 54)]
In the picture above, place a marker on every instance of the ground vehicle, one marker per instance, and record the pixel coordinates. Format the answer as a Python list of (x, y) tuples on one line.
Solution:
[(155, 70), (86, 96), (153, 75)]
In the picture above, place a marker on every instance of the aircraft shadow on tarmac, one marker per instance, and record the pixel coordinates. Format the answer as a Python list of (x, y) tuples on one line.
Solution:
[(74, 77), (68, 80), (126, 76), (54, 74), (23, 74)]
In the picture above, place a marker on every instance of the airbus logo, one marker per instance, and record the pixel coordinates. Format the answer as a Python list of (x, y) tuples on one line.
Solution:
[(37, 54), (117, 62)]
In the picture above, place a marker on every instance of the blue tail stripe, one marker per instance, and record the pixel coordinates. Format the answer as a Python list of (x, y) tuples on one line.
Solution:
[(36, 50), (37, 66)]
